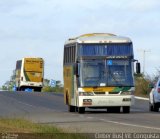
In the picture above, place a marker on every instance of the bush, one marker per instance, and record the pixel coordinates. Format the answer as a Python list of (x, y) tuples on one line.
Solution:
[(142, 86), (52, 89)]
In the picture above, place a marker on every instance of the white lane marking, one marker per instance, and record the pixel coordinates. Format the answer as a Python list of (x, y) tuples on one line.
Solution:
[(102, 119), (25, 103), (137, 110), (89, 117), (82, 116), (120, 123), (142, 98)]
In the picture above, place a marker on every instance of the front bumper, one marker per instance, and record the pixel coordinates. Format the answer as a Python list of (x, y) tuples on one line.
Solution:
[(32, 84), (105, 101)]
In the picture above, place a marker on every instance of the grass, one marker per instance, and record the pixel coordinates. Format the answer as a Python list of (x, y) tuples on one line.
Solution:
[(26, 129)]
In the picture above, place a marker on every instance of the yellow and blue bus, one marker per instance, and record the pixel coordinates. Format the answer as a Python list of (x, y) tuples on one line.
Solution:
[(98, 72)]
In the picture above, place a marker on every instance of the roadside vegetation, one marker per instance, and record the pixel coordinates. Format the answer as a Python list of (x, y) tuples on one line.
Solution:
[(58, 87), (27, 129), (143, 83), (142, 86), (52, 89)]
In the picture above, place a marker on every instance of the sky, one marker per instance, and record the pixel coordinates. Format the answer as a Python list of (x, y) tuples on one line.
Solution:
[(39, 28)]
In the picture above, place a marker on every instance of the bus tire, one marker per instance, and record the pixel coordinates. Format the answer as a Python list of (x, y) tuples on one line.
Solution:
[(109, 109), (126, 109), (81, 110), (71, 108), (37, 89), (21, 89), (116, 109)]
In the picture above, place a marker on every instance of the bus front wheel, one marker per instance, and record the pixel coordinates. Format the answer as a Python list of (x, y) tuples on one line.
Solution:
[(37, 89), (126, 109), (71, 108), (81, 110)]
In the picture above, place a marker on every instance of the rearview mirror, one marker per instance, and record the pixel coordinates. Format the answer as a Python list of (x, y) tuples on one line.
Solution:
[(76, 69), (138, 68)]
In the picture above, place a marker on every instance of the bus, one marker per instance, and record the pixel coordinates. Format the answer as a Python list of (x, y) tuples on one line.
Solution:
[(98, 71), (29, 74)]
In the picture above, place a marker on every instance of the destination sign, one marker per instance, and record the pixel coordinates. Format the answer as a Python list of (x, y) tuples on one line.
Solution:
[(117, 57)]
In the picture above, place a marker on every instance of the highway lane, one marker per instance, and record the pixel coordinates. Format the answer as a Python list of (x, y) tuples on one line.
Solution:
[(23, 103), (49, 108)]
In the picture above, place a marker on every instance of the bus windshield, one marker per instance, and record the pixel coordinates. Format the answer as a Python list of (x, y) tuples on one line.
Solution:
[(115, 72)]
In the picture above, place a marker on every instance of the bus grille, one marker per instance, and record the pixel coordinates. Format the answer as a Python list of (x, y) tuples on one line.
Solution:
[(99, 93), (113, 92)]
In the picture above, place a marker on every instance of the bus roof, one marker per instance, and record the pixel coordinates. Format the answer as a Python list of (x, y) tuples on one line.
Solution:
[(98, 38), (32, 58)]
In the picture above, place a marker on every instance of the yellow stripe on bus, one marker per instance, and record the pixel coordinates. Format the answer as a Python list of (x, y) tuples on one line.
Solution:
[(98, 89)]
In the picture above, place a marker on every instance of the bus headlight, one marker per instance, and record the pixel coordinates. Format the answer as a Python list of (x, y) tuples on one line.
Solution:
[(127, 99), (86, 94), (87, 102)]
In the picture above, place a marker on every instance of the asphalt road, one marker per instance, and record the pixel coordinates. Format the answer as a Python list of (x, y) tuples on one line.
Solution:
[(49, 108)]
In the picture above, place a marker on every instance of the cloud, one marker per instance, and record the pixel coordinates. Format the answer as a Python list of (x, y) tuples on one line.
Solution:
[(8, 6), (40, 27), (144, 6), (134, 5)]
